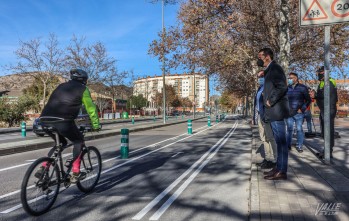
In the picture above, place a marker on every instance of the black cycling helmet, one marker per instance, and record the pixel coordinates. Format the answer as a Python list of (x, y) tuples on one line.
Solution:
[(79, 75)]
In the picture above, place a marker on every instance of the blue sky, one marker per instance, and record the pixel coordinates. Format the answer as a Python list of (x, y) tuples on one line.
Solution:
[(126, 28)]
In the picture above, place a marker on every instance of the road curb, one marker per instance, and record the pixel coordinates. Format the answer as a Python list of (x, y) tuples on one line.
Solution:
[(94, 136), (30, 126)]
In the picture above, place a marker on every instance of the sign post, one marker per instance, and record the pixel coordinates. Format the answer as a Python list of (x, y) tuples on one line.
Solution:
[(324, 12)]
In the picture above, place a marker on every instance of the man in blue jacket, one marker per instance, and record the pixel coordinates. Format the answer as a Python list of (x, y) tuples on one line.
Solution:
[(299, 100), (276, 109)]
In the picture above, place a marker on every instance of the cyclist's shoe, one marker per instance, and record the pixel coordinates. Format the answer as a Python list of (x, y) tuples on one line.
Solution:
[(38, 174), (76, 177)]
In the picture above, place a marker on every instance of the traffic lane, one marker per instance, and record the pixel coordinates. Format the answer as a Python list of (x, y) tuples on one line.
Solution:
[(109, 148), (135, 181), (17, 136), (13, 137), (121, 170), (110, 144), (221, 190)]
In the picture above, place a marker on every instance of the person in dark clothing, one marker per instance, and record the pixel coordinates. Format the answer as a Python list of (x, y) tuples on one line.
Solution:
[(299, 100), (276, 110), (63, 108), (320, 99)]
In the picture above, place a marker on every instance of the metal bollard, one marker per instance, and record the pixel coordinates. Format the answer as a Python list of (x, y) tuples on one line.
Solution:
[(190, 127), (24, 129), (209, 121), (124, 143)]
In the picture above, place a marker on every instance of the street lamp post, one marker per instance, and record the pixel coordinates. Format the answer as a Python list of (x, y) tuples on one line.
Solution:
[(163, 65), (194, 109)]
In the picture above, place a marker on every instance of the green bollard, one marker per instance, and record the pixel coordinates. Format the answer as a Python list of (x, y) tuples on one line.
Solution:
[(133, 120), (209, 121), (124, 143), (217, 119), (154, 119), (176, 117), (190, 127), (182, 116), (23, 129)]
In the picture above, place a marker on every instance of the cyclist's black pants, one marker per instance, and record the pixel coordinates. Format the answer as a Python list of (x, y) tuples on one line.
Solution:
[(67, 129)]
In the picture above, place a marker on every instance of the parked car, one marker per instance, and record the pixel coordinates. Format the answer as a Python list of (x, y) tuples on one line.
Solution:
[(37, 128)]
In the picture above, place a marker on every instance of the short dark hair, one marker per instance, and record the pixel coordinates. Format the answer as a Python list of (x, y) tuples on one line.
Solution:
[(294, 74), (321, 69), (267, 51)]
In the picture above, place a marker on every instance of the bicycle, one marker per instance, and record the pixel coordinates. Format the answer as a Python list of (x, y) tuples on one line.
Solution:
[(38, 194)]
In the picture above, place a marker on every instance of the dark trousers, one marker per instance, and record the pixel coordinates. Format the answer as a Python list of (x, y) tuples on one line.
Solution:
[(67, 129), (279, 131), (332, 117)]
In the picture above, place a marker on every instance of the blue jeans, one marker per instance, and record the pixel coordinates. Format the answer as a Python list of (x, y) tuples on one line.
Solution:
[(279, 131), (298, 118), (307, 117)]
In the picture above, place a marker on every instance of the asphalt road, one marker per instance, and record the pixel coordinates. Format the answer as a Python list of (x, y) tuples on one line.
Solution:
[(30, 135), (169, 175)]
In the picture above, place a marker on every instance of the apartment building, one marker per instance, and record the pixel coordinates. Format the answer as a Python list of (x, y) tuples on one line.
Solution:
[(183, 84)]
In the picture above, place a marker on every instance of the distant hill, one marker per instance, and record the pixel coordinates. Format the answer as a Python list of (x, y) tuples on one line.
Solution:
[(15, 83)]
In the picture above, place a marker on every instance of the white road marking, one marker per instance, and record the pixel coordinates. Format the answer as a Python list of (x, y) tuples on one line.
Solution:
[(177, 154), (151, 145), (156, 200), (30, 161), (105, 171), (168, 203), (9, 168)]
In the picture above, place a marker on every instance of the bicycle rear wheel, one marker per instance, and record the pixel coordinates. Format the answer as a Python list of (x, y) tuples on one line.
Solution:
[(40, 186), (91, 164)]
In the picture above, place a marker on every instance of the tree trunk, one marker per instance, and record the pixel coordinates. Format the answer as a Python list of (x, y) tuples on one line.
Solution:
[(44, 96), (284, 36)]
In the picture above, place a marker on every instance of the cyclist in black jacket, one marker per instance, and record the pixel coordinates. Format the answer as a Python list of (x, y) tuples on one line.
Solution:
[(65, 102)]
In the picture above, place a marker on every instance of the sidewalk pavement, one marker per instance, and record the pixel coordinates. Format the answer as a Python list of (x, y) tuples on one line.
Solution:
[(27, 145), (310, 185)]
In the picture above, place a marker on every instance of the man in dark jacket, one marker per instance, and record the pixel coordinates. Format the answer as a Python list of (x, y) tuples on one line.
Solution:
[(299, 101), (319, 96), (276, 109)]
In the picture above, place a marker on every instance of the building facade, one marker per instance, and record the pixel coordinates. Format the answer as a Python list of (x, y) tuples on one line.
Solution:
[(182, 83)]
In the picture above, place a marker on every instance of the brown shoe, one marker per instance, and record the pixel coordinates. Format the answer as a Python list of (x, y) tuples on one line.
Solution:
[(277, 176), (271, 172)]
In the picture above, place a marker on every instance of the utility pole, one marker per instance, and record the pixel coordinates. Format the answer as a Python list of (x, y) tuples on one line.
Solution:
[(163, 66), (194, 108)]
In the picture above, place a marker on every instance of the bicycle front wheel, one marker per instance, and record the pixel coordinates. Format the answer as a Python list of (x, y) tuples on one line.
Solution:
[(91, 164), (40, 186)]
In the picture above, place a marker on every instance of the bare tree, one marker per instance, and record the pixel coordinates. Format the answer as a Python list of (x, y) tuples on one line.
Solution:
[(41, 61), (113, 79), (92, 58)]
